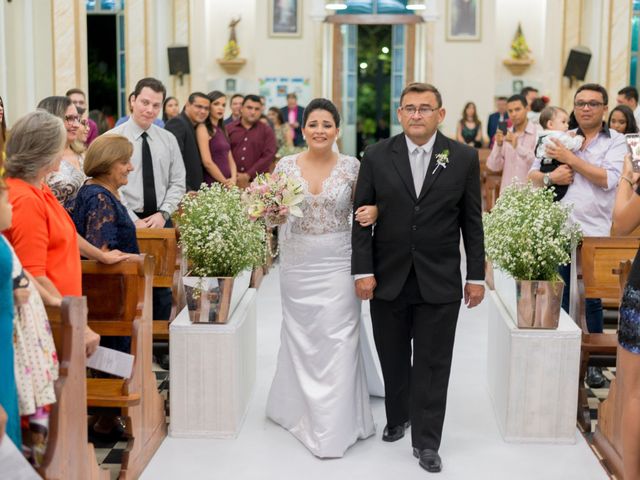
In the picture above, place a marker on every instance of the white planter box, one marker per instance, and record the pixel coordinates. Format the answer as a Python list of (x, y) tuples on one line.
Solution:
[(532, 374), (213, 371)]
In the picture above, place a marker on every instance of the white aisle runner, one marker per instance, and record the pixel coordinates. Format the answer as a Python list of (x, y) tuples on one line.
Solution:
[(472, 448)]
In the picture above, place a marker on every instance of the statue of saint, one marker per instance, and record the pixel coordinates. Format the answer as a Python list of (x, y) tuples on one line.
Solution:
[(232, 27)]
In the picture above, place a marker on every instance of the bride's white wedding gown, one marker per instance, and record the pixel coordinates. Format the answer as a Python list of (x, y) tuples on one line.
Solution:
[(319, 392)]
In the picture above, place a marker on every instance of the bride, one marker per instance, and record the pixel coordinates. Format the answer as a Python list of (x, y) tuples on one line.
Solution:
[(319, 392)]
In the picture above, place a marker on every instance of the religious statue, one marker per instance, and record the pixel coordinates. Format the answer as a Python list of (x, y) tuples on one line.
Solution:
[(231, 49)]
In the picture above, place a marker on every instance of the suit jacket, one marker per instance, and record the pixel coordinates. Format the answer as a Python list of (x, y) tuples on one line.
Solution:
[(185, 133), (492, 124), (297, 132), (422, 232)]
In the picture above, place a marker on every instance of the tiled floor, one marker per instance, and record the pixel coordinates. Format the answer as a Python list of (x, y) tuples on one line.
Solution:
[(471, 437), (109, 453)]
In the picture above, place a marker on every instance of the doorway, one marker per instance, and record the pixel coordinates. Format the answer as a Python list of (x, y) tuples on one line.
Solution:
[(102, 60), (374, 85)]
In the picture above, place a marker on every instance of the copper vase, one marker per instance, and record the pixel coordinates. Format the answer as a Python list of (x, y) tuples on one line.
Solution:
[(208, 298), (539, 303)]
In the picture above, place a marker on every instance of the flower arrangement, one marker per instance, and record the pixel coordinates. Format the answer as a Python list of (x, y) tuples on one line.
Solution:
[(231, 50), (272, 198), (519, 47), (216, 236), (527, 234)]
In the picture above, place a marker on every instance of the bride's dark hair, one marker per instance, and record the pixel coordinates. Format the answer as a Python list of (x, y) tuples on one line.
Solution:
[(321, 104)]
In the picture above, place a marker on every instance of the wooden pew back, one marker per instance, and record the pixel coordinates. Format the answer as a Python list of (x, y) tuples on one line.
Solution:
[(69, 454), (162, 244), (118, 291), (599, 259)]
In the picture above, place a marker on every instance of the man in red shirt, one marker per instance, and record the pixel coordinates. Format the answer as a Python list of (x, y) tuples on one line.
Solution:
[(253, 143)]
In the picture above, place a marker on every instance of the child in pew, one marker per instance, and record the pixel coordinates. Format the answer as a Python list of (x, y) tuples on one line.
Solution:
[(555, 122), (36, 363)]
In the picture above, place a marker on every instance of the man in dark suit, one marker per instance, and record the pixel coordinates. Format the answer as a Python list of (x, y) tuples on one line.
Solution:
[(427, 189), (183, 126), (292, 114), (500, 115)]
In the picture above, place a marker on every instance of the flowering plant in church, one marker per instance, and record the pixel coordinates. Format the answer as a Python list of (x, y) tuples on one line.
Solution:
[(527, 234), (216, 236)]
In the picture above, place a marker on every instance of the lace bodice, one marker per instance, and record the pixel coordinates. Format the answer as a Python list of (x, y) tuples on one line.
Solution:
[(330, 210), (66, 182)]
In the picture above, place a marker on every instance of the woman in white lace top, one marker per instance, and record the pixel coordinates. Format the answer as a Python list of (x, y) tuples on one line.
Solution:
[(66, 182), (320, 392)]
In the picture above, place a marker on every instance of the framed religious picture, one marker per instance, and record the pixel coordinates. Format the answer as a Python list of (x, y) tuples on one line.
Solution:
[(463, 19), (285, 18)]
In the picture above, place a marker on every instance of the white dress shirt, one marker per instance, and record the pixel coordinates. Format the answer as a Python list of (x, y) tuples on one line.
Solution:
[(168, 168)]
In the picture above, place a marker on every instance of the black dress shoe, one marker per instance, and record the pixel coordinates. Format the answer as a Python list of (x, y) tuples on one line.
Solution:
[(595, 378), (429, 460), (393, 433)]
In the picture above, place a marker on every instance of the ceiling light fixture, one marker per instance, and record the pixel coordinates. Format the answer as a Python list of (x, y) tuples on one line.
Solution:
[(416, 5), (335, 5)]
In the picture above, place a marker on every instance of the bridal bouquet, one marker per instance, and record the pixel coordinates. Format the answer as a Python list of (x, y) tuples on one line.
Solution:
[(272, 198)]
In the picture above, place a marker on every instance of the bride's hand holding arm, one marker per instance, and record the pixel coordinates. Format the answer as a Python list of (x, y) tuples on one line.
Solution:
[(367, 215)]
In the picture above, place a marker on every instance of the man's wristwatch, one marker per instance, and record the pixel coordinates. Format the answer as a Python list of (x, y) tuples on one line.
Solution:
[(546, 180), (165, 215)]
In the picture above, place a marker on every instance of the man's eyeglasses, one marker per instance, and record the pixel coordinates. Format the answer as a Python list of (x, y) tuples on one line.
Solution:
[(200, 107), (72, 119), (580, 104), (423, 110)]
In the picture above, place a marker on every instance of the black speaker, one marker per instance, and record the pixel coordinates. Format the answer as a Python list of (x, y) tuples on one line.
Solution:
[(178, 60), (577, 63)]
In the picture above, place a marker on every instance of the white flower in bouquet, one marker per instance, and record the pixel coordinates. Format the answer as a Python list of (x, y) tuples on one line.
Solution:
[(272, 198), (216, 236), (527, 234)]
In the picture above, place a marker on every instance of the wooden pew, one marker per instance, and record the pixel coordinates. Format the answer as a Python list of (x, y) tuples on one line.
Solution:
[(69, 454), (608, 435), (119, 301), (162, 244), (597, 260)]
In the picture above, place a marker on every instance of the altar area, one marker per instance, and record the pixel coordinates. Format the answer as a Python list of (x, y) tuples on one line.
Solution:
[(472, 445)]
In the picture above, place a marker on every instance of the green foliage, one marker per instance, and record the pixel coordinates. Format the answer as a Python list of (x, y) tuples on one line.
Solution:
[(216, 235), (527, 234)]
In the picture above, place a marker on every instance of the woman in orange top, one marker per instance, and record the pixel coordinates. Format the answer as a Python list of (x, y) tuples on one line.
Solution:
[(42, 233)]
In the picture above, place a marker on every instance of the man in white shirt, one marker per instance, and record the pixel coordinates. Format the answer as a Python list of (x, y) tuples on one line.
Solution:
[(629, 96), (157, 182)]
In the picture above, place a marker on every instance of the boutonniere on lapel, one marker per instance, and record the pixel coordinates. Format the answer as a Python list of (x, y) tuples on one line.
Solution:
[(442, 160)]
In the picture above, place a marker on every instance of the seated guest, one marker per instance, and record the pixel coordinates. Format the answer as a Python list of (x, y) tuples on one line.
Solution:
[(214, 146), (621, 120), (183, 127), (514, 152), (170, 109), (67, 180), (253, 143), (42, 233), (470, 128)]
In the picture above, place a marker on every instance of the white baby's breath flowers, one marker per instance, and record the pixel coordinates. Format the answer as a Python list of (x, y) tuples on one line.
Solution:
[(527, 234), (216, 235)]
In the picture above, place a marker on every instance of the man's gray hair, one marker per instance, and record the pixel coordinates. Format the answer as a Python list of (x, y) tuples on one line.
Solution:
[(36, 140)]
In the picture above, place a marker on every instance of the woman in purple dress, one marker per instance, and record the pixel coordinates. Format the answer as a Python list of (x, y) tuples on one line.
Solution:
[(213, 142)]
